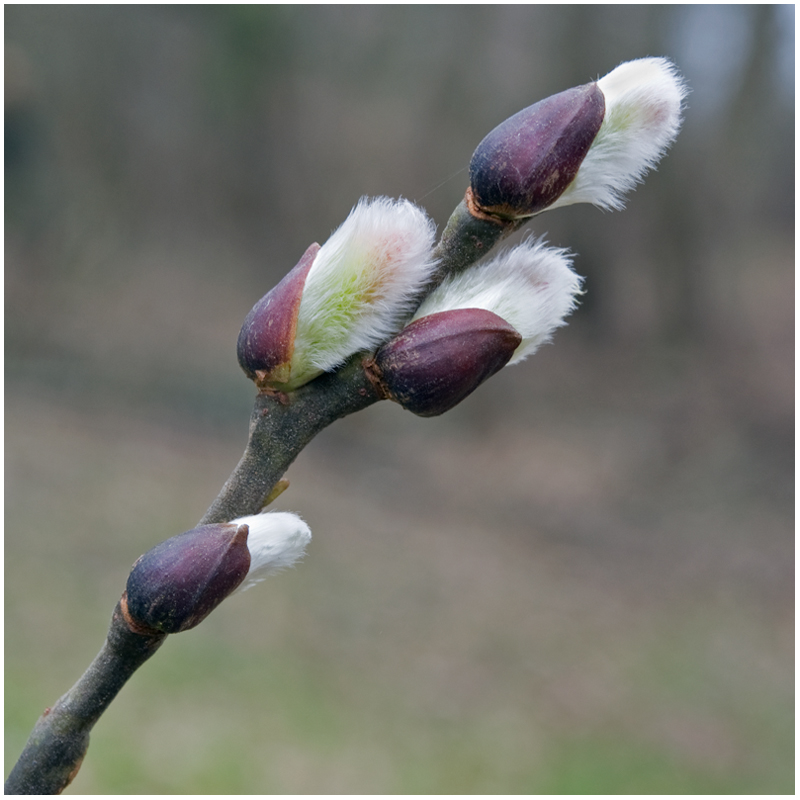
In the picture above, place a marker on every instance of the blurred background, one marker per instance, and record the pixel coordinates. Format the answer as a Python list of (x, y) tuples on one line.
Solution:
[(580, 580)]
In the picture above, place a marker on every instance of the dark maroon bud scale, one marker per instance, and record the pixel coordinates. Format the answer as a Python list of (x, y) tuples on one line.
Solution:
[(438, 360), (178, 583), (266, 340), (527, 162)]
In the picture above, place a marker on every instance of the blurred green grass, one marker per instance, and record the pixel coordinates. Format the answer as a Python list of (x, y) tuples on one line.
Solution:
[(205, 720)]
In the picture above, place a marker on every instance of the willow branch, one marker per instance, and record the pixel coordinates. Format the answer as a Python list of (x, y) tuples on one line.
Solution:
[(468, 236), (60, 738), (281, 425)]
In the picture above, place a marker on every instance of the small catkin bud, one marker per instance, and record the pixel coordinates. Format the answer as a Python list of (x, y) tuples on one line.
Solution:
[(590, 144), (349, 295), (438, 360), (531, 286), (178, 583)]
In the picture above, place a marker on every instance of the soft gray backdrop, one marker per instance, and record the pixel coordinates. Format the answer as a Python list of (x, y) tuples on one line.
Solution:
[(580, 580)]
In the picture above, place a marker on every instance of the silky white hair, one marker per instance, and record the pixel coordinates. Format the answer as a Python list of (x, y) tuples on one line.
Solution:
[(277, 540), (362, 284), (642, 118), (531, 286)]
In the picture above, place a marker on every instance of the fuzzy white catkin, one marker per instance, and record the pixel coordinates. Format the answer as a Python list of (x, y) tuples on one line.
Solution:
[(531, 286), (643, 101), (277, 540), (360, 287)]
